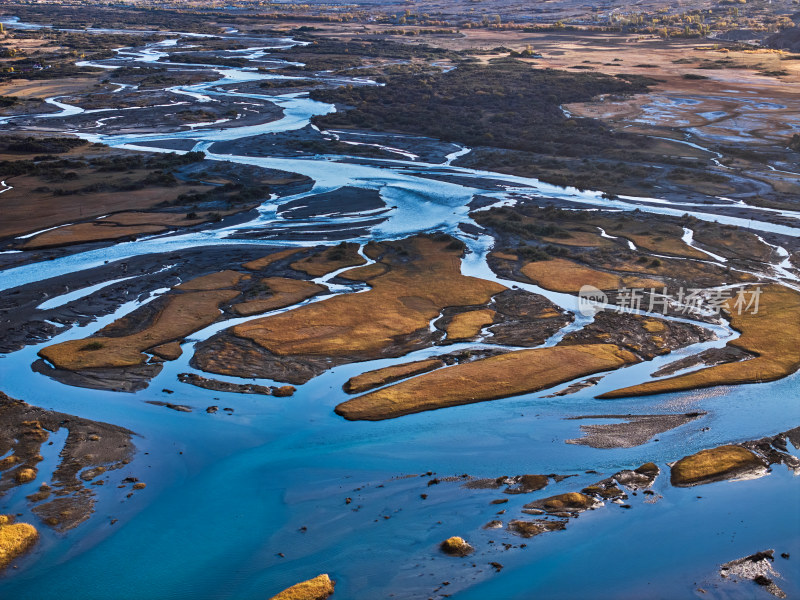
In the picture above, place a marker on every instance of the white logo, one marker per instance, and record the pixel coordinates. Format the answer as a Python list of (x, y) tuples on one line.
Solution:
[(591, 300)]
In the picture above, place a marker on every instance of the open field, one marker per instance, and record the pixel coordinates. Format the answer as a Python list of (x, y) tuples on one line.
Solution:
[(501, 376), (40, 89), (181, 315), (561, 275), (400, 303)]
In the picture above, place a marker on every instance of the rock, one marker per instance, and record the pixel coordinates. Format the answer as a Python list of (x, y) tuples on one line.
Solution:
[(641, 478), (175, 407), (495, 524), (236, 388), (319, 588), (456, 546), (497, 566), (716, 464), (538, 526), (532, 511), (604, 489), (499, 501), (42, 494), (651, 468), (524, 484), (212, 409), (571, 502), (486, 484), (139, 486), (757, 568)]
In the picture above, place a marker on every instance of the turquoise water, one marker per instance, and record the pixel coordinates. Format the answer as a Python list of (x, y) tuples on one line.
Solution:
[(212, 520)]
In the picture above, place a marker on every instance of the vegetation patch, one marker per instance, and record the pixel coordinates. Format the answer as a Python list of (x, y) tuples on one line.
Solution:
[(372, 379), (562, 275), (571, 502), (265, 261), (319, 588), (469, 324), (281, 292), (181, 315), (724, 462), (456, 546), (330, 260), (423, 278), (771, 335), (510, 374), (15, 540)]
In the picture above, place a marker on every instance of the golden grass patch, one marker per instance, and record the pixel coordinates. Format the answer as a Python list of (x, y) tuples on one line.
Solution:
[(724, 462), (771, 334), (265, 261), (469, 324), (365, 273), (661, 244), (117, 226), (37, 89), (734, 242), (378, 377), (653, 325), (580, 239), (330, 260), (25, 475), (696, 273), (571, 501), (456, 546), (504, 256), (182, 314), (212, 281), (510, 374), (157, 218), (88, 232), (401, 302), (562, 275), (168, 351), (285, 292), (319, 588), (15, 540), (27, 209)]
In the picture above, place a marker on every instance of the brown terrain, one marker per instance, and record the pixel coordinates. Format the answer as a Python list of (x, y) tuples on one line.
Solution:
[(92, 451), (770, 335)]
